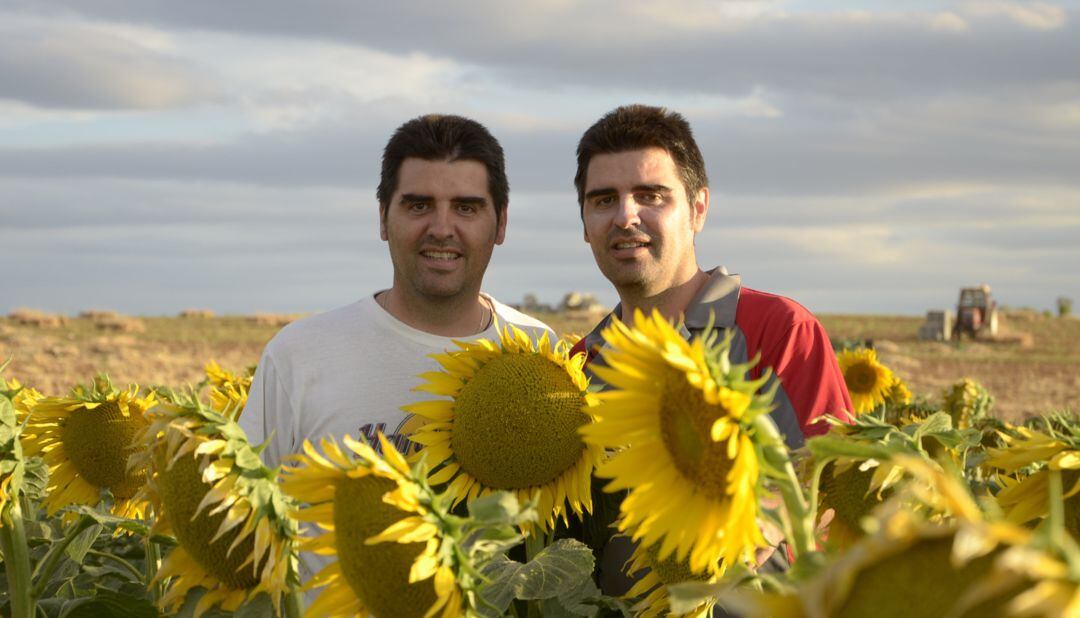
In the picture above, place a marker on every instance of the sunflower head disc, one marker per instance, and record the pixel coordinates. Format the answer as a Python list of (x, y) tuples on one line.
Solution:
[(98, 442), (923, 578), (516, 422), (181, 489), (378, 574), (686, 420)]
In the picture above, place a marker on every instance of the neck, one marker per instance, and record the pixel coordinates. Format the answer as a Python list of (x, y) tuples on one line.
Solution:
[(460, 316), (671, 302)]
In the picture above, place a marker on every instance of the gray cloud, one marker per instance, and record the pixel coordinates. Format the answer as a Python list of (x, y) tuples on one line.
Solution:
[(242, 248), (810, 151), (703, 48), (93, 68)]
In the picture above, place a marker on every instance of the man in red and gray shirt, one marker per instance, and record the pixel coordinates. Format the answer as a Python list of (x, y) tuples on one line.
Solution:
[(644, 196)]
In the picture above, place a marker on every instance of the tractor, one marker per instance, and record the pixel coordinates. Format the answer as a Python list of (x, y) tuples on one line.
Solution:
[(976, 313)]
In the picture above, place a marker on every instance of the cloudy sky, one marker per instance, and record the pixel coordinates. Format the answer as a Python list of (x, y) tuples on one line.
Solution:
[(159, 155)]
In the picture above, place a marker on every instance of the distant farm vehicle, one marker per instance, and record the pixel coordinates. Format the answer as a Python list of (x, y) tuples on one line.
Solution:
[(937, 327), (976, 313)]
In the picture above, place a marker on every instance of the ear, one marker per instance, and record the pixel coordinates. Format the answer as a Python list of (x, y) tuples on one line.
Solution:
[(500, 233), (382, 223), (700, 210)]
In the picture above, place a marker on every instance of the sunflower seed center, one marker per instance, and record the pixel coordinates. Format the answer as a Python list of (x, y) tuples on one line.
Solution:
[(98, 443), (686, 421), (931, 585), (516, 421), (181, 489), (378, 574), (861, 378)]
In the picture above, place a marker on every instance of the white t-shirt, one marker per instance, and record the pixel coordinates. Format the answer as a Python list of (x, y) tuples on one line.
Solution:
[(347, 371)]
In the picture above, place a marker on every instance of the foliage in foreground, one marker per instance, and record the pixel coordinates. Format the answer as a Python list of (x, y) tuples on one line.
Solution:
[(983, 516)]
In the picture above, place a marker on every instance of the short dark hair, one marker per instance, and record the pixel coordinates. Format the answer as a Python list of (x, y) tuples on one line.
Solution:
[(636, 127), (438, 137)]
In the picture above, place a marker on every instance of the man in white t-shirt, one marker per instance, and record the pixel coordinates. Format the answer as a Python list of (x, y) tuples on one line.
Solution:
[(442, 197)]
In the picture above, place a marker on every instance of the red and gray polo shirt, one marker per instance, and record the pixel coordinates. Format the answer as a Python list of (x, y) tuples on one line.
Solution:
[(789, 339)]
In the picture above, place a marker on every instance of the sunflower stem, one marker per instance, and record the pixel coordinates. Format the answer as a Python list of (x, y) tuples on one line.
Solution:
[(815, 487), (48, 564), (152, 561), (778, 461), (294, 603), (16, 560), (1056, 517)]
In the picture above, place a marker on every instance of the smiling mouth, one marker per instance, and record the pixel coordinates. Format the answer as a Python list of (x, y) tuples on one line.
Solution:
[(631, 244), (446, 256)]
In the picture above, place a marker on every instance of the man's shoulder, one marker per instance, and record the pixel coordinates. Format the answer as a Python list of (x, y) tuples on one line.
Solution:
[(313, 331), (758, 310)]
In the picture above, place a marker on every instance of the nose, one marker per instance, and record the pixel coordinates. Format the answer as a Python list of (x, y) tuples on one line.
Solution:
[(442, 225), (626, 214)]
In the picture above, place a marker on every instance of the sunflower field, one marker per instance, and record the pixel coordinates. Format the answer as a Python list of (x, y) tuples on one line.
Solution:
[(528, 491)]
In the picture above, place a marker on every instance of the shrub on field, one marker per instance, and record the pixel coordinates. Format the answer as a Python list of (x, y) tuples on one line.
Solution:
[(121, 324), (272, 319), (204, 314), (40, 319), (113, 321), (1064, 306)]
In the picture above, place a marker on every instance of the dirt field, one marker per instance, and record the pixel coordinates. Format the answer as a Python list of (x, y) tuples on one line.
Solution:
[(1035, 369)]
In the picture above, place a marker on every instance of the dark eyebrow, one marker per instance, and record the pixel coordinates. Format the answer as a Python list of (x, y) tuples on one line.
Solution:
[(470, 201), (637, 188), (599, 192), (653, 188), (413, 197)]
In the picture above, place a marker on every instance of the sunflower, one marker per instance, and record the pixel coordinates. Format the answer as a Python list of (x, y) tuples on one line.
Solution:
[(682, 418), (898, 393), (1026, 496), (941, 576), (227, 513), (11, 460), (868, 381), (373, 519), (862, 463), (847, 490), (228, 390), (651, 587), (510, 423), (85, 439), (966, 402), (948, 561), (23, 398)]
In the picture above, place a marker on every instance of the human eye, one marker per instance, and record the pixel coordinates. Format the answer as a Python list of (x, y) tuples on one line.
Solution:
[(467, 209), (416, 207), (602, 201), (650, 198)]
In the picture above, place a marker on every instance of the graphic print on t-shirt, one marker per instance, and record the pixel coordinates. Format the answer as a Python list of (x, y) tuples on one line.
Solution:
[(399, 437)]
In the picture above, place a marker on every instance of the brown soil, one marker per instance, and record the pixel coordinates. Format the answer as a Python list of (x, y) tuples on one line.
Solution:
[(1033, 368)]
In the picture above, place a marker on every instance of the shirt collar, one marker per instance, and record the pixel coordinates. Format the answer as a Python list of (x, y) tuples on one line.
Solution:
[(718, 298)]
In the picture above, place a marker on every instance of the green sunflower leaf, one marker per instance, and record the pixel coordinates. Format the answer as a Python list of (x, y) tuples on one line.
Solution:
[(82, 543), (829, 447), (497, 594), (560, 571), (685, 597), (109, 604), (579, 600), (500, 507), (561, 565)]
